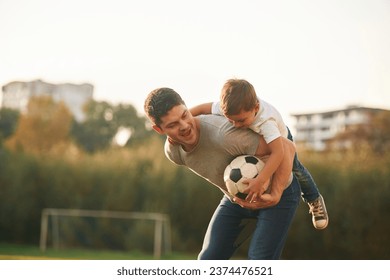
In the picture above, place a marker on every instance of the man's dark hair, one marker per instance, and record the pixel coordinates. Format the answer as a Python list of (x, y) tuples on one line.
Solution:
[(159, 102)]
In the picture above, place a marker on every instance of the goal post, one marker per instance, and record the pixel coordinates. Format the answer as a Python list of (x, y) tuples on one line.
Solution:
[(162, 227)]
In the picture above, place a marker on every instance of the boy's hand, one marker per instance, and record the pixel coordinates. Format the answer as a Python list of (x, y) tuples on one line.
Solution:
[(256, 188)]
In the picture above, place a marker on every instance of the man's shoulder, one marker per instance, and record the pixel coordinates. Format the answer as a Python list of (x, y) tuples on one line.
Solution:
[(213, 120), (172, 152), (219, 127)]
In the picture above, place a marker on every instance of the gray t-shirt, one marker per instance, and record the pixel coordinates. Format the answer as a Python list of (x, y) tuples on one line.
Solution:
[(218, 145)]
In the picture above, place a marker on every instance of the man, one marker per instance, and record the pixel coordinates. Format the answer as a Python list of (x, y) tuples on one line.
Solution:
[(206, 145)]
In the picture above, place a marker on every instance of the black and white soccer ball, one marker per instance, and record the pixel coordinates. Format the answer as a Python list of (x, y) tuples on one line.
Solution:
[(241, 168)]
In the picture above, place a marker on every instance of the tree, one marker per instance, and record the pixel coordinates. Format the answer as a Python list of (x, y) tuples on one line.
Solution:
[(45, 125), (96, 132), (103, 122), (126, 116), (373, 135), (379, 138), (8, 122)]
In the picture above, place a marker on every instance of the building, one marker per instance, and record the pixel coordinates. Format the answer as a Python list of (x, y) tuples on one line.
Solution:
[(314, 130), (15, 95)]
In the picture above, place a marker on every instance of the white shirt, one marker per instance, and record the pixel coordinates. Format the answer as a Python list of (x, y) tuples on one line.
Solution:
[(268, 121)]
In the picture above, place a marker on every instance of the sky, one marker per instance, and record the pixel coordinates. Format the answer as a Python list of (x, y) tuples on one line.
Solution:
[(302, 56)]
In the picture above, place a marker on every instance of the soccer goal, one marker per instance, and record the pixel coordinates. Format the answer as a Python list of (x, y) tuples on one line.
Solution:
[(162, 228)]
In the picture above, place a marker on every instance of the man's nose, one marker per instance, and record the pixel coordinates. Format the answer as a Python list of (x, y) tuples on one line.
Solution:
[(183, 125)]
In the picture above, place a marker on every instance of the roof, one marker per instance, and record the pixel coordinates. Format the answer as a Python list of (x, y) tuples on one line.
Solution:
[(347, 109)]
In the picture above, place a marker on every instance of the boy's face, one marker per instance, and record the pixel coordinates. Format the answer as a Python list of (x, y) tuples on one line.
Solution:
[(179, 125), (244, 118)]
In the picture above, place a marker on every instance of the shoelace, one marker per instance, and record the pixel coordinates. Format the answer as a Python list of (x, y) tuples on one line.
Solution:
[(316, 209)]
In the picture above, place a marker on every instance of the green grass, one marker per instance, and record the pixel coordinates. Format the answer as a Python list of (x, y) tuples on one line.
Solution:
[(29, 252)]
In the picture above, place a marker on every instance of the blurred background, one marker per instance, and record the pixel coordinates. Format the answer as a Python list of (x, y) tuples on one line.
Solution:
[(73, 134)]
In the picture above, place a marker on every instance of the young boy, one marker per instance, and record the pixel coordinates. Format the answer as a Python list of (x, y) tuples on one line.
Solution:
[(241, 106)]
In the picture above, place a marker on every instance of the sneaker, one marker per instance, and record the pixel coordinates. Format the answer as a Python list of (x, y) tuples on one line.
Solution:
[(319, 214)]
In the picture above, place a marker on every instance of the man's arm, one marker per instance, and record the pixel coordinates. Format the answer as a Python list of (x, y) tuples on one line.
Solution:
[(280, 179), (282, 176)]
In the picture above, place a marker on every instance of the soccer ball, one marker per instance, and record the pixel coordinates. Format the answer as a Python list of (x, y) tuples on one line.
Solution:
[(241, 168)]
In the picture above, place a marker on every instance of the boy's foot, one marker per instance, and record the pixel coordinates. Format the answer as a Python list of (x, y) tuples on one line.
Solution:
[(319, 214)]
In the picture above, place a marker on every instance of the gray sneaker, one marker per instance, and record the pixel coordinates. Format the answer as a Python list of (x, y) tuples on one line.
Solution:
[(319, 214)]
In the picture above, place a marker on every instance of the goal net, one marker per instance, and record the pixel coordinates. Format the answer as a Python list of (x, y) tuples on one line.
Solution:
[(123, 230)]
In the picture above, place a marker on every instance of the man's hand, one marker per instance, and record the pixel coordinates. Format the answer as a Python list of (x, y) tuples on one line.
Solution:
[(265, 200)]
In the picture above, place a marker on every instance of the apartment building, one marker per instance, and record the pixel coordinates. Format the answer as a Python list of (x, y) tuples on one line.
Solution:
[(314, 130), (15, 95)]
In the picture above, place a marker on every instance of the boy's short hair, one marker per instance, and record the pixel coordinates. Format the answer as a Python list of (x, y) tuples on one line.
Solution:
[(159, 102), (237, 95)]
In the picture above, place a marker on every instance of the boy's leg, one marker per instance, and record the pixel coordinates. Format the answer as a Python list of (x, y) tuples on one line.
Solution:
[(309, 189), (310, 193)]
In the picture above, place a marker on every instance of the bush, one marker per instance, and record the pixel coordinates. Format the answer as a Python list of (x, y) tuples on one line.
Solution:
[(356, 189)]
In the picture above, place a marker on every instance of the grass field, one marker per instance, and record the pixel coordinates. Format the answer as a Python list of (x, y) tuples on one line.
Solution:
[(28, 252)]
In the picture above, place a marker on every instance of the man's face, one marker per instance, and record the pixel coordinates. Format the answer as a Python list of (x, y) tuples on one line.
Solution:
[(180, 126)]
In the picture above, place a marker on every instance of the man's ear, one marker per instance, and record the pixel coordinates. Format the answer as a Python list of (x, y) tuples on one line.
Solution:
[(157, 129)]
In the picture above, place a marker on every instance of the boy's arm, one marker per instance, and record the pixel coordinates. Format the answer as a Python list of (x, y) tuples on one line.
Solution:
[(279, 183), (201, 109), (260, 184), (282, 175)]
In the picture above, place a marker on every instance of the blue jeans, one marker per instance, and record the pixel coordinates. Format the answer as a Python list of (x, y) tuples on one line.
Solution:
[(231, 225), (309, 188)]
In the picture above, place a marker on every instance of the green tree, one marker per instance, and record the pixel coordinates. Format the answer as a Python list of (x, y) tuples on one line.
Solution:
[(126, 116), (103, 122), (96, 132), (8, 122)]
